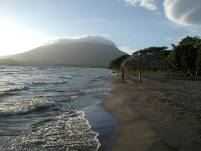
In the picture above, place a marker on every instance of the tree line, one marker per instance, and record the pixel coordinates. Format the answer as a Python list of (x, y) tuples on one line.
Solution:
[(185, 57)]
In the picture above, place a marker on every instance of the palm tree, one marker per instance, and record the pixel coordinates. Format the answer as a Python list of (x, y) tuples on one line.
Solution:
[(140, 61)]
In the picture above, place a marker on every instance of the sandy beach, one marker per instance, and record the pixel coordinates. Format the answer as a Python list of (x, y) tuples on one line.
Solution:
[(157, 115)]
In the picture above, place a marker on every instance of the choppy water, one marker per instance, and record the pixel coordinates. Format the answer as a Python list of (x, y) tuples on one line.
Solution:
[(43, 108)]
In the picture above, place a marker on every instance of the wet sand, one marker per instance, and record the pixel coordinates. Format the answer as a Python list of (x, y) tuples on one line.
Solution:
[(156, 115)]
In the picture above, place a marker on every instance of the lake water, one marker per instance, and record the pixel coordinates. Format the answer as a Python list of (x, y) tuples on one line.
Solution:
[(50, 108)]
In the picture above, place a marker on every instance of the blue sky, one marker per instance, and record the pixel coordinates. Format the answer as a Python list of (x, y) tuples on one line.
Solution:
[(131, 24)]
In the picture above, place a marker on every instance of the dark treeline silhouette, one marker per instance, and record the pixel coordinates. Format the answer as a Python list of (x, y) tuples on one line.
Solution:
[(184, 58)]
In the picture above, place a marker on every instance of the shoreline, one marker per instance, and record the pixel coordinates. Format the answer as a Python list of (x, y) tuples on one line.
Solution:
[(150, 119)]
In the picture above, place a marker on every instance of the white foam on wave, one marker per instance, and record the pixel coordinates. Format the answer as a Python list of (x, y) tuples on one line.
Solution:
[(69, 131), (95, 90), (18, 106), (4, 90), (73, 97)]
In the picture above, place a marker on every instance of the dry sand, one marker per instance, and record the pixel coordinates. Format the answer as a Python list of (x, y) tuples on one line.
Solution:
[(156, 115)]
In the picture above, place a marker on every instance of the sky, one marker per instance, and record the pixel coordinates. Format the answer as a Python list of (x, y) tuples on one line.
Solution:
[(130, 24)]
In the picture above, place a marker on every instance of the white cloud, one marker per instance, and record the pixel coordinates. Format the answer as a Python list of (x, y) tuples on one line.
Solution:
[(148, 4), (126, 49), (183, 12)]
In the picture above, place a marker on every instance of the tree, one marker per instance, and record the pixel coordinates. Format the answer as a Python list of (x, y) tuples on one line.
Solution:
[(198, 61), (184, 55), (160, 53), (140, 61)]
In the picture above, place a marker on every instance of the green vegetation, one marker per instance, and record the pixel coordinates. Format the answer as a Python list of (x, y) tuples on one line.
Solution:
[(185, 57), (160, 53)]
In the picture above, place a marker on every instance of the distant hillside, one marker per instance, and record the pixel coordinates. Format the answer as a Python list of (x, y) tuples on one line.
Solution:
[(89, 51), (115, 64), (8, 61)]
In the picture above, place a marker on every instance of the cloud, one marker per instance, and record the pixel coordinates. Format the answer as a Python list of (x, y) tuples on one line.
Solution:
[(183, 12), (127, 49), (148, 4)]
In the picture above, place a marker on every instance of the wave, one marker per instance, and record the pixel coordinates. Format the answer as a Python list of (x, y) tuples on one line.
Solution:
[(10, 107), (66, 77), (7, 90), (67, 131), (95, 90), (10, 88), (48, 82)]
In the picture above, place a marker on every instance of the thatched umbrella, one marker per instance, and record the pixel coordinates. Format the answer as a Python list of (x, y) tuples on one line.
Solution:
[(139, 61)]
